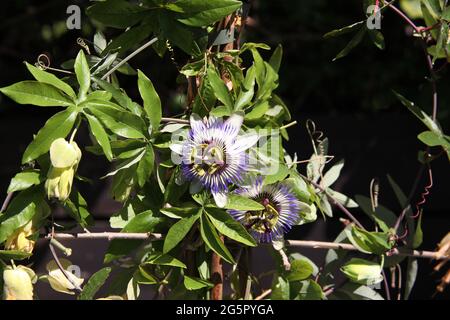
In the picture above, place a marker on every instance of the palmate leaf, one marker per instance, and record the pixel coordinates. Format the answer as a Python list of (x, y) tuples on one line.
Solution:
[(193, 283), (352, 44), (198, 13), (220, 89), (229, 227), (152, 103), (212, 240), (100, 135), (37, 93), (83, 74), (145, 166), (21, 210), (25, 179), (186, 38), (96, 281), (179, 231), (142, 222), (120, 122), (48, 78), (58, 126), (116, 13)]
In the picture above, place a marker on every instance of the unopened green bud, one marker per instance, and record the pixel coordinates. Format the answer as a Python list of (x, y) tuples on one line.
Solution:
[(363, 271)]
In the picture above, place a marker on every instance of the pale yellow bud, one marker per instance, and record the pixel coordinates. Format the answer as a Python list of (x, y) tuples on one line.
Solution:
[(363, 271), (64, 157), (58, 280), (18, 283)]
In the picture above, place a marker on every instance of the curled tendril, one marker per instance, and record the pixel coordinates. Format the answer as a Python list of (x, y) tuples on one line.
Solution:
[(424, 194), (43, 62), (82, 43), (172, 55), (317, 140)]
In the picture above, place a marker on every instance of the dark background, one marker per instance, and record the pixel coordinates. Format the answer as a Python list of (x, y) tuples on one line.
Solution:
[(350, 100)]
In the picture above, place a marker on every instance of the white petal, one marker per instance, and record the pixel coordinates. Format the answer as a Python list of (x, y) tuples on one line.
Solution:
[(196, 123), (234, 123), (220, 198), (177, 148), (245, 142)]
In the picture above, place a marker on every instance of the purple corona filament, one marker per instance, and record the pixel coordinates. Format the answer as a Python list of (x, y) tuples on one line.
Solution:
[(280, 213), (214, 155)]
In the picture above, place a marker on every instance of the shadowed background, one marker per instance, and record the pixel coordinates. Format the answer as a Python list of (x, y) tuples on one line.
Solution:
[(350, 100)]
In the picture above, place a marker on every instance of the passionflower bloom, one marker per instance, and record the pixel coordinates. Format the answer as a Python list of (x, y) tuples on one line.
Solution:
[(280, 213), (19, 240), (18, 283), (64, 158), (213, 155)]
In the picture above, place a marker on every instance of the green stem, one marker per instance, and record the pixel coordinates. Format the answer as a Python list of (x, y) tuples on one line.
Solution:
[(131, 55)]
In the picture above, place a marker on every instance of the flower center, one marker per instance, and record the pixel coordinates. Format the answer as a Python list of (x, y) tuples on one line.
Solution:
[(208, 158), (265, 220)]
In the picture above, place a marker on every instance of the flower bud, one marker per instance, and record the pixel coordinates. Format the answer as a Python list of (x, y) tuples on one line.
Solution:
[(19, 239), (18, 283), (58, 280), (363, 271), (64, 158)]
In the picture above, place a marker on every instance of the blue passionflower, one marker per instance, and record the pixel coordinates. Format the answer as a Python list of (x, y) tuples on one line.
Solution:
[(214, 155), (280, 214)]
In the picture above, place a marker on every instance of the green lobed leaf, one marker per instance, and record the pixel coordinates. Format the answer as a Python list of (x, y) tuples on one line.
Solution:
[(418, 234), (411, 275), (152, 103), (238, 202), (219, 87), (352, 44), (280, 288), (194, 283), (100, 135), (83, 74), (179, 231), (36, 93), (130, 38), (212, 240), (300, 270), (200, 13), (58, 126), (21, 210), (229, 227), (122, 123), (96, 281), (307, 290), (332, 175), (142, 222), (165, 260), (419, 113), (78, 209), (369, 242), (116, 13), (145, 166), (51, 79), (25, 179)]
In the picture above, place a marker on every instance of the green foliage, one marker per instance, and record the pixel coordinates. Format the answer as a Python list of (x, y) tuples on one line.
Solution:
[(157, 194)]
